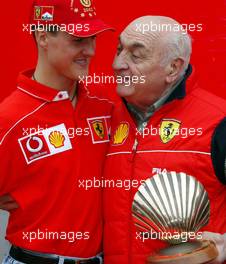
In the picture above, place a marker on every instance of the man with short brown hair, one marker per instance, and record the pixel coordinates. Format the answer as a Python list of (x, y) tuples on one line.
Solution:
[(53, 136)]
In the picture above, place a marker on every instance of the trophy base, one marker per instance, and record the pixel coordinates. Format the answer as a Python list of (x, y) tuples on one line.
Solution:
[(197, 252)]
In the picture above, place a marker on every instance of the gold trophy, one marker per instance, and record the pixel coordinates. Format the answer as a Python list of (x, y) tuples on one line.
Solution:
[(173, 204)]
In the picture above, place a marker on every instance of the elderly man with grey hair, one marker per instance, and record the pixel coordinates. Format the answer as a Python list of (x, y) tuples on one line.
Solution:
[(166, 123)]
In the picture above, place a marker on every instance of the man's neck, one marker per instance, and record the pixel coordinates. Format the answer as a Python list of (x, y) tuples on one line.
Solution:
[(49, 77), (143, 113), (160, 101)]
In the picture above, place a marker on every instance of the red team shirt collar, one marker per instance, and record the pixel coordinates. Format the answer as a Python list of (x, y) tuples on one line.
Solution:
[(26, 84)]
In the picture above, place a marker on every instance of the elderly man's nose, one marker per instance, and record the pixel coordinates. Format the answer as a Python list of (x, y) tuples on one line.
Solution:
[(120, 63)]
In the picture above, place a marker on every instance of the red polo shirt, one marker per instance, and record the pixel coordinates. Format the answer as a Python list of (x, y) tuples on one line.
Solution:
[(47, 150)]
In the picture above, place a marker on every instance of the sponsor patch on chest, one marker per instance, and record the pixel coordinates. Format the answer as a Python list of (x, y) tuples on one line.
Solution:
[(45, 143), (169, 129), (99, 128)]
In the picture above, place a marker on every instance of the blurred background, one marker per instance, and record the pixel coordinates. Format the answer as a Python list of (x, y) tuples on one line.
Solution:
[(18, 50)]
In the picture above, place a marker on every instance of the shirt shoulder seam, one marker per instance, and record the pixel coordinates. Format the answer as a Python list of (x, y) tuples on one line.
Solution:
[(19, 121)]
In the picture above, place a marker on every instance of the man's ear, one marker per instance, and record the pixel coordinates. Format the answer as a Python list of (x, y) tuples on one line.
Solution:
[(174, 70), (41, 39)]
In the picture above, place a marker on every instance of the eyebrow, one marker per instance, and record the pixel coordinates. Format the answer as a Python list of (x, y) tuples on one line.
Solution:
[(138, 45), (134, 44)]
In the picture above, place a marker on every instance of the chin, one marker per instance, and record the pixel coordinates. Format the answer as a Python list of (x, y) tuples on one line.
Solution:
[(125, 91), (80, 74)]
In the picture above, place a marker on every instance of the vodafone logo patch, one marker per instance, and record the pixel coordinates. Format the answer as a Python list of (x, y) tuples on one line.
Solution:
[(45, 143)]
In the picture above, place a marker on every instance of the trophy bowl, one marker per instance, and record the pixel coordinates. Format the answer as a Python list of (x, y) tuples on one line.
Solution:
[(173, 204)]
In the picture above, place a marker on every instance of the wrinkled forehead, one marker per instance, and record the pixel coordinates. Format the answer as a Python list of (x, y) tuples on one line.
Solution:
[(132, 37)]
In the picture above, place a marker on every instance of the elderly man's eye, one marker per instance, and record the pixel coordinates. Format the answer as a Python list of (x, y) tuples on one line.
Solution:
[(119, 50), (134, 56)]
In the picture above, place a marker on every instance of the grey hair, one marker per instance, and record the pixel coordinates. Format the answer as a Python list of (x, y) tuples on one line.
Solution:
[(176, 45)]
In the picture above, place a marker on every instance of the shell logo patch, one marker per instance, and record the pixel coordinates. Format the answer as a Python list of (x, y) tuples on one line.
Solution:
[(86, 3), (56, 138), (44, 13), (168, 129), (45, 143), (99, 128), (121, 134)]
